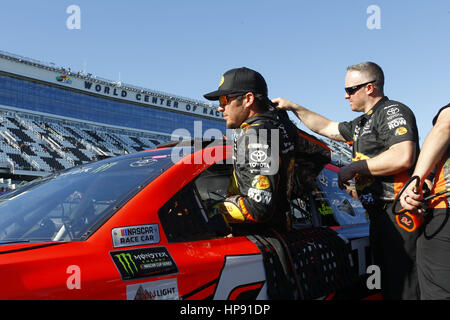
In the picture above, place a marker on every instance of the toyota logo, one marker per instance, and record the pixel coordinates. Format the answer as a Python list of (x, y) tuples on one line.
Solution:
[(258, 156), (393, 111)]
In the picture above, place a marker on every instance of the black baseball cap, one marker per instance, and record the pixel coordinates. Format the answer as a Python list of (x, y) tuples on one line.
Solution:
[(239, 80)]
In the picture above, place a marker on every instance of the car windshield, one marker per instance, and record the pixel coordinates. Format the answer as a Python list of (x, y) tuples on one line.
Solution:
[(72, 204)]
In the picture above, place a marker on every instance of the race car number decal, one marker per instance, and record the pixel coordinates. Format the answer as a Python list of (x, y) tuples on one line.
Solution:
[(135, 235)]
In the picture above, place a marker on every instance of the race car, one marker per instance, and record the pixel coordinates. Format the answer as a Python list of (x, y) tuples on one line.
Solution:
[(137, 227)]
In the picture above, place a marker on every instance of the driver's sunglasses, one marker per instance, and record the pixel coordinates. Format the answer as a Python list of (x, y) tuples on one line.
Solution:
[(224, 100), (353, 89)]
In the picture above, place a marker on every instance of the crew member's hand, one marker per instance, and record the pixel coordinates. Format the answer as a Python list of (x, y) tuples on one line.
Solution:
[(284, 104), (345, 174), (349, 171), (351, 190), (411, 198)]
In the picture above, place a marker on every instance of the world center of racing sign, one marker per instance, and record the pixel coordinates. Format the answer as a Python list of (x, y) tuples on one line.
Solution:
[(107, 88)]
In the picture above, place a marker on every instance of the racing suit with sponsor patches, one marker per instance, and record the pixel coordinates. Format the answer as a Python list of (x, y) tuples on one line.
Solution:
[(263, 163), (394, 249)]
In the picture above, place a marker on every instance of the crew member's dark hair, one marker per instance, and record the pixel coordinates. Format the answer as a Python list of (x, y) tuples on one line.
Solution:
[(372, 71), (262, 101)]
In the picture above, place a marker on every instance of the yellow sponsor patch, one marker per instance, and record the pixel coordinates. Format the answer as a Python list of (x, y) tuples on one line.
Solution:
[(221, 81), (230, 212), (360, 156), (401, 131), (260, 182)]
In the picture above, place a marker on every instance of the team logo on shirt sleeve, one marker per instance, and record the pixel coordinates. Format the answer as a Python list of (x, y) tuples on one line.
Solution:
[(392, 111), (396, 122), (401, 131), (260, 182)]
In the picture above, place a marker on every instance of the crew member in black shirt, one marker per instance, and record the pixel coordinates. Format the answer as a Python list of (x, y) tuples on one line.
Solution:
[(385, 147)]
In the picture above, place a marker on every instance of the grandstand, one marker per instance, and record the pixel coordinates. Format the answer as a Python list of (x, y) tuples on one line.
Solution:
[(52, 119), (33, 145), (32, 142), (341, 154)]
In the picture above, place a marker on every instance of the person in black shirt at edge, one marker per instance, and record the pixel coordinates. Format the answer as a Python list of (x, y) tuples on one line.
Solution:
[(433, 245), (385, 147), (263, 153)]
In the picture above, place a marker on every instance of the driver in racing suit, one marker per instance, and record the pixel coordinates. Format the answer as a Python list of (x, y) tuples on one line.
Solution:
[(263, 152)]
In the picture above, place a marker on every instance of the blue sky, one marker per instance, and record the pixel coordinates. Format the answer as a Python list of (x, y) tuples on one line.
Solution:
[(302, 48)]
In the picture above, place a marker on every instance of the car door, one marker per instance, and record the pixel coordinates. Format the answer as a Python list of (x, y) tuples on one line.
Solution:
[(211, 264)]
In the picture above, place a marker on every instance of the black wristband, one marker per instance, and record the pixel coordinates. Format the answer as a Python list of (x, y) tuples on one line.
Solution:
[(360, 167)]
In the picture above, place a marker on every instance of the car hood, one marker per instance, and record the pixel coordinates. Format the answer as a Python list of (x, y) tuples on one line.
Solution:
[(12, 247)]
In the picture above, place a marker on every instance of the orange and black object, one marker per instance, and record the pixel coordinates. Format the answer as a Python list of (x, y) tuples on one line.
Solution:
[(407, 220)]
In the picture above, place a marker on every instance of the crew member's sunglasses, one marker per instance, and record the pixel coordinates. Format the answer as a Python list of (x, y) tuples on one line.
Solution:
[(224, 100), (352, 90)]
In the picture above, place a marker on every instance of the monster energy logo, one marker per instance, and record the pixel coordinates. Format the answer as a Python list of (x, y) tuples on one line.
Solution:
[(143, 262), (127, 263)]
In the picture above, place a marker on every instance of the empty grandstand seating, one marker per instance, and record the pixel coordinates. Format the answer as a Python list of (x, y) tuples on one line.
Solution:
[(33, 142)]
